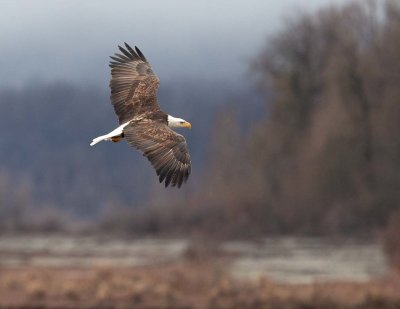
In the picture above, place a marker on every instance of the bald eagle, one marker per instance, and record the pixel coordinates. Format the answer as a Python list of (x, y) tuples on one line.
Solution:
[(142, 122)]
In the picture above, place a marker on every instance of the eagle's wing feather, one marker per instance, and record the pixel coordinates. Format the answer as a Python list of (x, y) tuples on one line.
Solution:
[(164, 148), (133, 84)]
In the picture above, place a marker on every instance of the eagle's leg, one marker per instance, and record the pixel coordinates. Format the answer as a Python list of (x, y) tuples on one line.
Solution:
[(117, 138)]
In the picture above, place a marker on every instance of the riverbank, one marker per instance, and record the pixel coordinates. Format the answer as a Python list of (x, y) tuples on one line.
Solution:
[(282, 259), (58, 271)]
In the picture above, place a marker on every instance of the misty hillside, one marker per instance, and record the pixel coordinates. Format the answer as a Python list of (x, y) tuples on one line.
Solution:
[(48, 146)]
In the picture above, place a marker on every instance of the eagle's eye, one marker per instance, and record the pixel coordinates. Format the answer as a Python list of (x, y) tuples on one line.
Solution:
[(181, 122)]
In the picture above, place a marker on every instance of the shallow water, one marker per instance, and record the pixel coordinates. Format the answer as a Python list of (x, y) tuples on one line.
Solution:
[(292, 260), (307, 260)]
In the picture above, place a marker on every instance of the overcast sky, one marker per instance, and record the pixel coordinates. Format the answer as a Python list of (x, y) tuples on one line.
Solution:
[(52, 40)]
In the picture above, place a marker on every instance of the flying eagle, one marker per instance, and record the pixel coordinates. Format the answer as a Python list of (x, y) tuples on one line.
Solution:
[(142, 123)]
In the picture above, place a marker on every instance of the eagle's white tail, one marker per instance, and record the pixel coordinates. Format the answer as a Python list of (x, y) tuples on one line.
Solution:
[(99, 139)]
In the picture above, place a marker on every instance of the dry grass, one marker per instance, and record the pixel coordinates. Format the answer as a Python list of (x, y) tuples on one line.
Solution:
[(188, 284)]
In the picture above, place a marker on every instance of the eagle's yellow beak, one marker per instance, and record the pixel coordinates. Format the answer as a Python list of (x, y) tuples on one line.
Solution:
[(187, 125)]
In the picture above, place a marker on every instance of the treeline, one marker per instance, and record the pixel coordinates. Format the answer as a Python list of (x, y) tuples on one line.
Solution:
[(50, 178), (44, 147), (325, 159), (329, 149)]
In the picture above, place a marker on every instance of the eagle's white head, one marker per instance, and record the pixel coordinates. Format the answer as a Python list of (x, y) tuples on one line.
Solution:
[(178, 123)]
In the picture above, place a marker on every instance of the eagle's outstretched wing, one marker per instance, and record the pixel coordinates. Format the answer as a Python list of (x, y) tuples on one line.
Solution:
[(165, 149), (133, 84)]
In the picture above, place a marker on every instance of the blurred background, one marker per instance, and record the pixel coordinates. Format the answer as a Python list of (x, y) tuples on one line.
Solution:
[(294, 196)]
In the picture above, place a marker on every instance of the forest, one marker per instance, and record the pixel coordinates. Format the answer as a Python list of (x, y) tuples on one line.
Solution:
[(311, 149)]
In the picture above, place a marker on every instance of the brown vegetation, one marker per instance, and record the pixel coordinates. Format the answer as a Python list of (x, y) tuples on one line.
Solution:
[(191, 284)]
